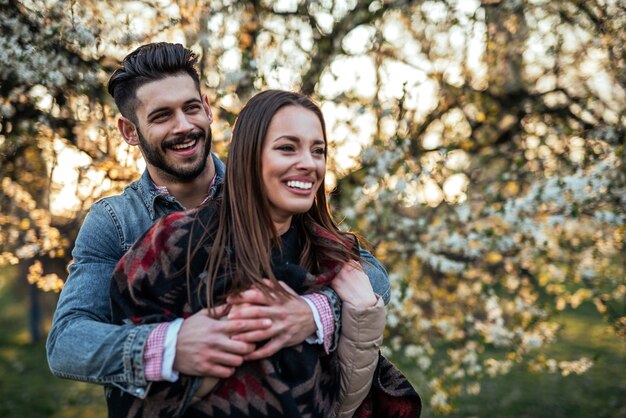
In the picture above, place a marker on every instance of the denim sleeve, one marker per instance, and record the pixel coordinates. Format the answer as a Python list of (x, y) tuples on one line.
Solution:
[(82, 343), (377, 275)]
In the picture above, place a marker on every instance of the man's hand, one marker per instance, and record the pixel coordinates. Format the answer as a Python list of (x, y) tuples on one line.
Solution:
[(292, 320), (204, 346)]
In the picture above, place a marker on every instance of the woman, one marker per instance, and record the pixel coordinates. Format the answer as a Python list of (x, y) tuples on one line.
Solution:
[(272, 222)]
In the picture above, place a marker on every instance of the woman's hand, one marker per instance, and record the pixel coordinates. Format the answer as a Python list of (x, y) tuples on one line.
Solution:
[(353, 286)]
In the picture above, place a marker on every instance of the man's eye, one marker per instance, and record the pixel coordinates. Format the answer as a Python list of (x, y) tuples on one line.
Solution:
[(159, 117)]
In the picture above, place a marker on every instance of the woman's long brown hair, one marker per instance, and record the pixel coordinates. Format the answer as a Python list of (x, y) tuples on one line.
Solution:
[(245, 228)]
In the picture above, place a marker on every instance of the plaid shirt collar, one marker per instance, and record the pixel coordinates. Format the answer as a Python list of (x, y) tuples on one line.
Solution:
[(164, 192)]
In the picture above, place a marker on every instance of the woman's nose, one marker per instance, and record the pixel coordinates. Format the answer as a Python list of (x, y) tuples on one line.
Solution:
[(306, 161)]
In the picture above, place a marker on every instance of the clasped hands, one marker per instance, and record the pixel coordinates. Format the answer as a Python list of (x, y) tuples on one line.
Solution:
[(215, 345)]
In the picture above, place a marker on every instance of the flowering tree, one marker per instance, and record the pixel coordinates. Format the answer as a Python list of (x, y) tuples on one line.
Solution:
[(479, 146), (521, 161)]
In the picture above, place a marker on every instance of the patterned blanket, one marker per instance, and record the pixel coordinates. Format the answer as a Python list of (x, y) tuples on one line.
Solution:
[(150, 286)]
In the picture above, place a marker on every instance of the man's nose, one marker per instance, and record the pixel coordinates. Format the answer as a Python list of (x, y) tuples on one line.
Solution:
[(182, 124)]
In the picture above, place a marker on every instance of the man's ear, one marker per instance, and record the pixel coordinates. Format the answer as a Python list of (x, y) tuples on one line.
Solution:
[(128, 131), (207, 107)]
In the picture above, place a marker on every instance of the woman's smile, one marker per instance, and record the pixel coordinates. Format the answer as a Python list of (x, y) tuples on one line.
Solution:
[(293, 162)]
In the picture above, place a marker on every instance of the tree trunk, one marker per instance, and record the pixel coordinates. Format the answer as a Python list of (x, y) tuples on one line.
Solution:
[(34, 313), (507, 32), (34, 304)]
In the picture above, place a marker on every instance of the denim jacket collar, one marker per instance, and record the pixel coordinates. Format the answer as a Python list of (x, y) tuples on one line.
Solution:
[(149, 193)]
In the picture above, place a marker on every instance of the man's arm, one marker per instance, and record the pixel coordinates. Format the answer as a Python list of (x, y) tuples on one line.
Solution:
[(82, 344)]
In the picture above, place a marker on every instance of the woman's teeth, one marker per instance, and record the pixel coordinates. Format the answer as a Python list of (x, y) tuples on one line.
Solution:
[(300, 185)]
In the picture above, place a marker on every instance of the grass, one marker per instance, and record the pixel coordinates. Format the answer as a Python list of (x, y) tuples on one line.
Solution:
[(28, 389), (598, 393)]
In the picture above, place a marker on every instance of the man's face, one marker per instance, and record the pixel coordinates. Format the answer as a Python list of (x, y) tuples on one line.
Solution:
[(174, 128)]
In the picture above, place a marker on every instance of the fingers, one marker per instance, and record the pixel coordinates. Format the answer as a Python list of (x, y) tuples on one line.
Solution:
[(255, 336), (204, 346), (216, 370), (254, 296), (225, 346), (251, 296), (292, 323), (251, 312), (216, 312), (217, 363), (277, 317), (244, 324), (214, 342), (233, 309), (287, 288), (266, 350), (227, 360)]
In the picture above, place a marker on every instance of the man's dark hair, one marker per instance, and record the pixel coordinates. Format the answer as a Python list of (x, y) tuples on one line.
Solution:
[(148, 63)]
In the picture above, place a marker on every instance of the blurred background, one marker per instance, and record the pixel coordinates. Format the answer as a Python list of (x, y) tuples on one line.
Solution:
[(478, 145)]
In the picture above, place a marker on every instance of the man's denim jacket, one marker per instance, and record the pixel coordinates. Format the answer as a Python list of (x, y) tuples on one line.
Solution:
[(83, 344)]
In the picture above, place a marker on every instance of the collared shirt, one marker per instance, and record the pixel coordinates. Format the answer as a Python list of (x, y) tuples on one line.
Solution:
[(163, 191)]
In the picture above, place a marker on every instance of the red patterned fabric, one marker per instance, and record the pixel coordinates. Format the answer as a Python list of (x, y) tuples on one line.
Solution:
[(150, 286)]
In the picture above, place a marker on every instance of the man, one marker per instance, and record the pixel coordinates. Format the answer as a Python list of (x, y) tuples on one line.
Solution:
[(164, 113)]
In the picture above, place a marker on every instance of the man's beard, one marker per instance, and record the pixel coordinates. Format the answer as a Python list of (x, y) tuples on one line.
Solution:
[(155, 156)]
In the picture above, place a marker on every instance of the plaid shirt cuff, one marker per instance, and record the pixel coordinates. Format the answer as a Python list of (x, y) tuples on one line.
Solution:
[(324, 317), (153, 353)]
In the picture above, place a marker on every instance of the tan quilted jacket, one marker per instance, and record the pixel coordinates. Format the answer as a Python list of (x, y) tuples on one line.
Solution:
[(359, 343)]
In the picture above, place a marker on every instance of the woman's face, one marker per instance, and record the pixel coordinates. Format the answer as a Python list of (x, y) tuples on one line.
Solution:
[(293, 163)]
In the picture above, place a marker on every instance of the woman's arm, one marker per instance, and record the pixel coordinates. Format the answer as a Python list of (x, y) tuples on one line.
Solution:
[(362, 326)]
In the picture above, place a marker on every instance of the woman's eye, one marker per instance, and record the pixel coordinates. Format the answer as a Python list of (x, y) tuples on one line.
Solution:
[(319, 151), (286, 148)]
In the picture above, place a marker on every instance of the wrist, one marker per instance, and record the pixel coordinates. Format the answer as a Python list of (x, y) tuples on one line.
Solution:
[(168, 372), (322, 308), (314, 327), (366, 300)]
